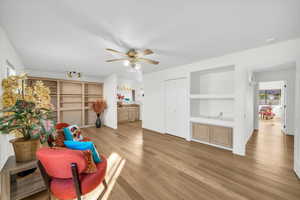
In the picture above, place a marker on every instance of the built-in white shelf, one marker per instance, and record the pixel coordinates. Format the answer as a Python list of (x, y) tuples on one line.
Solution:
[(212, 96), (212, 99), (213, 121)]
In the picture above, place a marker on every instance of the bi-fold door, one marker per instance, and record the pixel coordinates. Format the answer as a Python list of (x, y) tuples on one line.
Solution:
[(176, 107)]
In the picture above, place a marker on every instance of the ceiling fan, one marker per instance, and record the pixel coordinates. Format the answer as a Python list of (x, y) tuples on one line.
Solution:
[(133, 57)]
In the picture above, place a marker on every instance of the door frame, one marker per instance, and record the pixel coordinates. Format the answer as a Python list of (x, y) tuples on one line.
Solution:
[(256, 93), (284, 106)]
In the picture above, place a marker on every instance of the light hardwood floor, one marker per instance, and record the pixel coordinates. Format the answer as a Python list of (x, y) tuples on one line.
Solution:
[(169, 168)]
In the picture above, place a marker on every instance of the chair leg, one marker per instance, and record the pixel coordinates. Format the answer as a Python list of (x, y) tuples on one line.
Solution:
[(76, 180)]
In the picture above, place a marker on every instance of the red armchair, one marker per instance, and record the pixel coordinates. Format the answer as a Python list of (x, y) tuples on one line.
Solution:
[(62, 170), (61, 126)]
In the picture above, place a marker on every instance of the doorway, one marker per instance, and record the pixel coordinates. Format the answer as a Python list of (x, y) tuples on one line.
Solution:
[(271, 100), (274, 115)]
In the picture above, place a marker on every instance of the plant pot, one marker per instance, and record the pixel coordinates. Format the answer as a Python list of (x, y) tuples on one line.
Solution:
[(98, 121), (25, 149)]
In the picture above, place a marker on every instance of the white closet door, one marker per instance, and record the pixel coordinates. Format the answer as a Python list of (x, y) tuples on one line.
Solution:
[(170, 106), (176, 107), (182, 108)]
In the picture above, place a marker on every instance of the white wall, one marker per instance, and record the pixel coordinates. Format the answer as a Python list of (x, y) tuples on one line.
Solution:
[(297, 120), (110, 93), (245, 62), (7, 53), (270, 85), (288, 75), (153, 105)]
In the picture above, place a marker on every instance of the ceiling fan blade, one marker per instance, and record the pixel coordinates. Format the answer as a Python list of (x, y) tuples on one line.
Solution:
[(147, 52), (115, 51), (148, 61), (119, 59)]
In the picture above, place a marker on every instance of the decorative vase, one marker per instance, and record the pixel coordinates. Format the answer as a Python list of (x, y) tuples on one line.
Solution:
[(98, 121), (25, 149)]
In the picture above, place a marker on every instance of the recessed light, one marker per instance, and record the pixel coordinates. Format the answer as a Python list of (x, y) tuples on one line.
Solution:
[(270, 40)]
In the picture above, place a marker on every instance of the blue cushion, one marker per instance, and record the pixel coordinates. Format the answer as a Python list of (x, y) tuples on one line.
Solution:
[(76, 145), (68, 134)]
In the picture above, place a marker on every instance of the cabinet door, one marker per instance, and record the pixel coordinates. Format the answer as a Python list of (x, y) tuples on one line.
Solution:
[(122, 115), (131, 114), (201, 132), (137, 113), (221, 136)]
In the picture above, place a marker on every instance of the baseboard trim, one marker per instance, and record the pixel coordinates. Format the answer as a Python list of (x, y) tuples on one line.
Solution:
[(250, 135), (152, 131), (297, 169)]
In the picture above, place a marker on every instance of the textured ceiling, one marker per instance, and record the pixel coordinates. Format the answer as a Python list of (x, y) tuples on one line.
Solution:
[(60, 35)]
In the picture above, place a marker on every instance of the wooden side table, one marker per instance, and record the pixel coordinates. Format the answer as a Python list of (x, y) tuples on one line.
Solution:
[(15, 188)]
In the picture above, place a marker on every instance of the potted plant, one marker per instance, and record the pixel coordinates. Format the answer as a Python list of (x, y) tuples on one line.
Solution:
[(27, 114), (98, 107)]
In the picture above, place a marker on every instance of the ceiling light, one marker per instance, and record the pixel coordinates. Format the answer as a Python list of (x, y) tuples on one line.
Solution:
[(126, 62), (73, 74), (137, 66)]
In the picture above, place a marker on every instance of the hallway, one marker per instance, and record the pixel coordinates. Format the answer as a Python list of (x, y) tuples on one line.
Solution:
[(271, 145)]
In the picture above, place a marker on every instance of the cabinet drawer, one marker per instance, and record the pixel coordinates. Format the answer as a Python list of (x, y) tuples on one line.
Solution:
[(200, 132), (221, 136)]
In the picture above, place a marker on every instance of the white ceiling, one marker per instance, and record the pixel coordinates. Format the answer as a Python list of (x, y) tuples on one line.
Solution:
[(61, 35)]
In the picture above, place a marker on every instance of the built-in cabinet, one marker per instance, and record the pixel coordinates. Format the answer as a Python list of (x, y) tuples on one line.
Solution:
[(216, 135), (128, 113), (72, 99), (201, 132), (212, 106)]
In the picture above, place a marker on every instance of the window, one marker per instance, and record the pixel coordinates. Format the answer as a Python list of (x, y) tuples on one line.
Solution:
[(270, 97), (10, 69)]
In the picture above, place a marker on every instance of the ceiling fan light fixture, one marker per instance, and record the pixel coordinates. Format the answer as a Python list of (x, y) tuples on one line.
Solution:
[(126, 62), (137, 66)]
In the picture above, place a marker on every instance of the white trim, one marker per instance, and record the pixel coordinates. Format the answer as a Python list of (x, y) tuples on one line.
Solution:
[(241, 151), (210, 144), (209, 121), (87, 126), (250, 135), (297, 169), (211, 96)]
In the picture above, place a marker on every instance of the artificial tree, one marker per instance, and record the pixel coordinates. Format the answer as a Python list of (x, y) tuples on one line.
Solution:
[(26, 113), (27, 110), (27, 120), (98, 107)]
